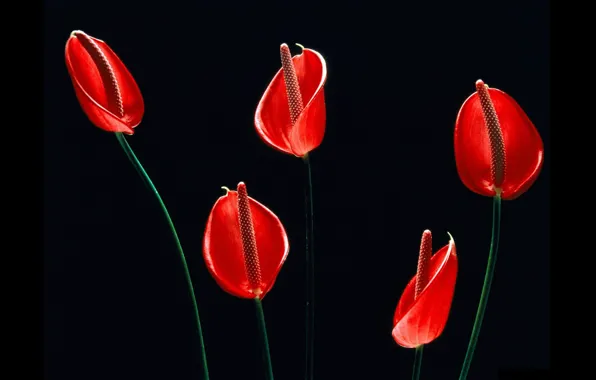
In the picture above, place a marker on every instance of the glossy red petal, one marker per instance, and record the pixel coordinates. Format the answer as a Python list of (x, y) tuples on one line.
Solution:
[(272, 118), (524, 150), (90, 89), (222, 246), (422, 320)]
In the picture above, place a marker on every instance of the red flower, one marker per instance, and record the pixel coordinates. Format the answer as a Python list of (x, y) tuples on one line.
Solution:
[(497, 148), (106, 90), (291, 114), (423, 308), (245, 245)]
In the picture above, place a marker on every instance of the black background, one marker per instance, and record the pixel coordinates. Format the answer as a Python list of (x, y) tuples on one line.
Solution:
[(115, 302)]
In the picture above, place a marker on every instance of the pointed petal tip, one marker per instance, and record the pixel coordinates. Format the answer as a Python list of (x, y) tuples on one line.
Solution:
[(300, 46), (226, 189), (451, 239)]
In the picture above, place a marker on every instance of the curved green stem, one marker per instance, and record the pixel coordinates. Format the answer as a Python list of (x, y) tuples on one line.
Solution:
[(488, 279), (417, 362), (310, 275), (137, 165), (264, 339)]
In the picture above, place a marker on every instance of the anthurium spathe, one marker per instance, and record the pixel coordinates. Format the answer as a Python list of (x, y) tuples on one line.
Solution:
[(245, 244), (497, 148), (291, 114), (423, 309), (103, 85)]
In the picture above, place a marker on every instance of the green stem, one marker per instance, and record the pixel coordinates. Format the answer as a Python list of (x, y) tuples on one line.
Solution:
[(137, 165), (417, 362), (264, 339), (310, 275), (488, 279)]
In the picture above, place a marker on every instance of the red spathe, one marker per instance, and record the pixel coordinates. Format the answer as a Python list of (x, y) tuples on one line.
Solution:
[(91, 90), (421, 320), (272, 118), (524, 151), (223, 250)]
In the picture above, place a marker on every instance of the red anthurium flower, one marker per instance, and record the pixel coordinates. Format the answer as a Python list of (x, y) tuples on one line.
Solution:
[(424, 306), (245, 245), (497, 148), (291, 114), (106, 90)]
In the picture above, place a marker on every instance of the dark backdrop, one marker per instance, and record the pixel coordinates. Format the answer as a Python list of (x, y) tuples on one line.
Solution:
[(116, 305)]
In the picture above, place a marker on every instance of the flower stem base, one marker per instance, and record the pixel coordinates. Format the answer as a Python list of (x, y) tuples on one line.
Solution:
[(488, 279), (139, 168), (264, 339)]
